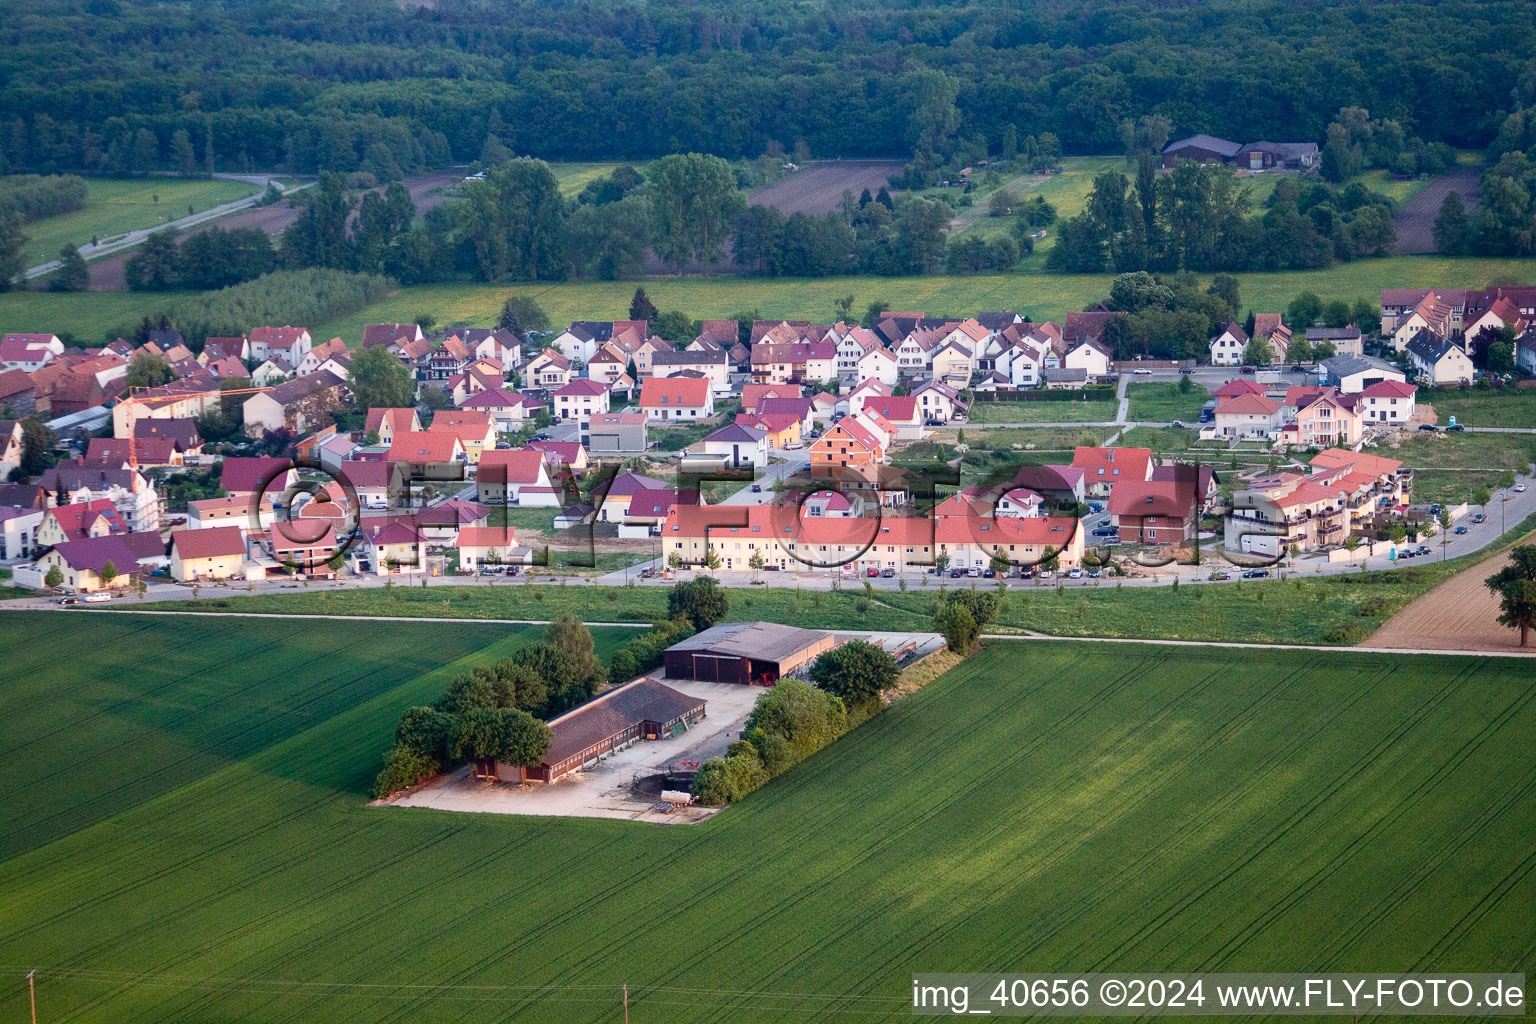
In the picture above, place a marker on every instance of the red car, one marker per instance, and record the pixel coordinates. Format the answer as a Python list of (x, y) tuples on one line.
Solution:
[(872, 572)]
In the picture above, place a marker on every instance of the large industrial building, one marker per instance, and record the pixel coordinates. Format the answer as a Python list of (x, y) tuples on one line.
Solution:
[(746, 652)]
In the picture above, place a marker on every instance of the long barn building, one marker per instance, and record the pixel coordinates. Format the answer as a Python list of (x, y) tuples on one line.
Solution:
[(644, 709), (746, 652)]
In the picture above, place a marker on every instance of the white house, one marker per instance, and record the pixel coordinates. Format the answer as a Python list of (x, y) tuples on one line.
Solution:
[(1227, 347), (853, 344), (518, 476), (937, 401), (1438, 360), (292, 343), (581, 399), (1248, 416), (674, 399), (29, 352), (1387, 402), (877, 364), (1088, 356), (739, 446)]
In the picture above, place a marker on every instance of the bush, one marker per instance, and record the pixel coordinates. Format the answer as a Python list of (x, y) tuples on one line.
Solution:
[(727, 779), (702, 601), (403, 768), (285, 297)]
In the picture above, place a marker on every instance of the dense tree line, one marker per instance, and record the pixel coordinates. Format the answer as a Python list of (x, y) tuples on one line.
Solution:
[(1198, 217), (865, 236), (36, 196), (210, 259), (1504, 221), (127, 86)]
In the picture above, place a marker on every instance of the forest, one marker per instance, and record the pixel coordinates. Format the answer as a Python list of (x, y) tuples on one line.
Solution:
[(127, 86)]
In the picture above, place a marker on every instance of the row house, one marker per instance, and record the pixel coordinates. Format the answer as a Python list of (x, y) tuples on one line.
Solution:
[(781, 363), (788, 540), (713, 366), (581, 341), (301, 405)]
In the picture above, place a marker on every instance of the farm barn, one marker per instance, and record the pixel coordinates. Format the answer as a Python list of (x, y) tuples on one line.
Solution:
[(746, 652), (644, 709)]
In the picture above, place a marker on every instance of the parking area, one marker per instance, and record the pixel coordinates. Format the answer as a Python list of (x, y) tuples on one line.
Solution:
[(603, 791)]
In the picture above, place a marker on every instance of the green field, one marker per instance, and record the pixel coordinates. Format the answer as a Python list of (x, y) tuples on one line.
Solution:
[(1164, 402), (114, 206), (1475, 407), (1039, 296), (1098, 410), (1076, 806), (574, 177)]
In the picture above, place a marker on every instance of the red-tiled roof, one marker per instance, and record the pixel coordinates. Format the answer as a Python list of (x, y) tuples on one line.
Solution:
[(243, 474), (523, 465), (214, 542), (1389, 389), (1113, 464), (674, 392), (419, 447)]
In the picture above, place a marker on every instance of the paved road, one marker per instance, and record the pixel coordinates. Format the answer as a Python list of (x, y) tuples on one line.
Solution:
[(121, 243)]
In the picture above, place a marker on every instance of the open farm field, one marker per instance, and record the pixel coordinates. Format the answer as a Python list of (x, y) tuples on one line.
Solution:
[(1077, 805), (114, 206)]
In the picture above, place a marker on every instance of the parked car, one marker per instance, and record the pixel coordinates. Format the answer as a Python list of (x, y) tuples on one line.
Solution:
[(793, 446), (1141, 371), (1434, 510), (1178, 424), (1458, 427), (990, 574), (1429, 427), (1422, 549), (1106, 531), (1074, 574), (1246, 369), (1186, 370), (757, 488), (1095, 506), (973, 573), (1256, 574), (872, 572), (954, 574), (1219, 575), (1026, 574), (67, 602), (1094, 574), (99, 597), (1519, 488), (1047, 574), (887, 573), (1460, 530), (1479, 519)]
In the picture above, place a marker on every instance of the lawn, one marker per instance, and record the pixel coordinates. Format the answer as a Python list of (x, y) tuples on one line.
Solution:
[(88, 316), (1477, 407), (1163, 439), (1164, 402), (1064, 805), (1096, 411), (1464, 450), (572, 178), (113, 207)]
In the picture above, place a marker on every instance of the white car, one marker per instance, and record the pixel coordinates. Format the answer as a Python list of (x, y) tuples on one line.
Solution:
[(1141, 371), (1075, 574), (1519, 488), (793, 446)]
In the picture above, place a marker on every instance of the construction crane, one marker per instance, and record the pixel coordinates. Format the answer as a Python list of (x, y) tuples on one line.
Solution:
[(141, 396)]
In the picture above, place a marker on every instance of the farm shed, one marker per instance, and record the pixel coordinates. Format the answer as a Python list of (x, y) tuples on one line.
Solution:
[(746, 652), (644, 709)]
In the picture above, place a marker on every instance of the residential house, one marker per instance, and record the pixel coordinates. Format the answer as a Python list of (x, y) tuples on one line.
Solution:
[(938, 402), (803, 409), (613, 501), (648, 509), (1089, 356), (387, 335), (249, 476), (878, 364), (853, 345), (1388, 403), (216, 553), (782, 362), (517, 476), (115, 453), (18, 531), (300, 405), (1227, 348), (1104, 467), (780, 430), (29, 352), (617, 433), (952, 363), (1346, 341), (581, 399), (1064, 485), (10, 447), (1160, 513), (563, 456), (388, 546), (291, 343), (242, 511), (18, 393), (109, 562), (271, 371), (304, 547), (1286, 511), (1434, 314), (489, 545), (1438, 360), (740, 446), (903, 413), (852, 441), (1269, 327), (509, 410), (316, 357), (713, 366), (1327, 419), (548, 371), (96, 518), (1065, 378), (473, 428), (430, 455), (1501, 313), (1248, 416), (580, 341), (1525, 353), (215, 348), (674, 399), (751, 394), (385, 423), (378, 485), (130, 492)]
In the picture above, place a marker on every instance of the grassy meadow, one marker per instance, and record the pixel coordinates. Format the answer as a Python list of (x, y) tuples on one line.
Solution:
[(1478, 407), (1163, 402), (114, 206), (1097, 410), (1076, 806)]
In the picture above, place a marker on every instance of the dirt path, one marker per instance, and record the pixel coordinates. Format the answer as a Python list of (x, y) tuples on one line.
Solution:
[(1460, 614), (1416, 219), (108, 274)]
